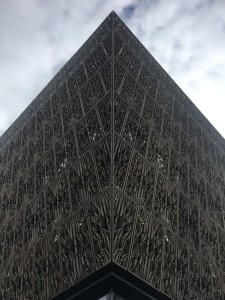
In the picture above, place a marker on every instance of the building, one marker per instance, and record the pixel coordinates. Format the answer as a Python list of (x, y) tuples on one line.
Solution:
[(112, 181)]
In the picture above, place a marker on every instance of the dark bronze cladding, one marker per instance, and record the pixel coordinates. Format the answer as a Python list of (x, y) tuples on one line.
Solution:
[(112, 163)]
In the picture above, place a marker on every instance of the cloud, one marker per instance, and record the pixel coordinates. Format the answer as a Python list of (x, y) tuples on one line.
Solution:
[(38, 37)]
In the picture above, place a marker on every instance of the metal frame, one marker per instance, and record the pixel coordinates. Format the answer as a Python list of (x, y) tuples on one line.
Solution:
[(111, 280)]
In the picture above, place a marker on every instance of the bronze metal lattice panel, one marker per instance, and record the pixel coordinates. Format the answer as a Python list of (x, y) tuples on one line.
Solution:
[(112, 163)]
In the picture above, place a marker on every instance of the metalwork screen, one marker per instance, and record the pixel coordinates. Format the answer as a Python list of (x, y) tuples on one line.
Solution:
[(112, 162)]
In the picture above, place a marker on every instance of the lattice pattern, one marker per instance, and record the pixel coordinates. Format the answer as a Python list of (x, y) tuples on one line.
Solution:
[(112, 162)]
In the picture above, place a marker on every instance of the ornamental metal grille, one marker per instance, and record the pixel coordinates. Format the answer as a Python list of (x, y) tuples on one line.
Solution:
[(112, 162)]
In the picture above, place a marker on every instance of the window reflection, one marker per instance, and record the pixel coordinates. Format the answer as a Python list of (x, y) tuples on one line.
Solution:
[(103, 298), (111, 296)]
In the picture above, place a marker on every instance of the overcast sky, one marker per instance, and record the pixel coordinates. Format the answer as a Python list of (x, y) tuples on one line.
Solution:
[(37, 37)]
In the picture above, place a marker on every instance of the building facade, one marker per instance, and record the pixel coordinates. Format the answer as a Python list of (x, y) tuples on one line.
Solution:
[(113, 176)]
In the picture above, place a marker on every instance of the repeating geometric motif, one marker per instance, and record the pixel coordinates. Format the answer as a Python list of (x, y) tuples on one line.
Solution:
[(112, 162), (169, 172)]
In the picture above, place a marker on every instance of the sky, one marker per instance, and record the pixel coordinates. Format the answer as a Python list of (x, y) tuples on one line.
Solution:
[(37, 37)]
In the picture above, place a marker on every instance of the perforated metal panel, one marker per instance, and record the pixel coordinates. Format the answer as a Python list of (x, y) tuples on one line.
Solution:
[(112, 162)]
